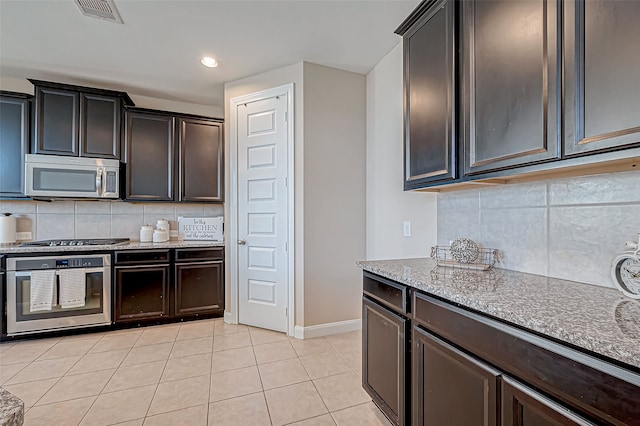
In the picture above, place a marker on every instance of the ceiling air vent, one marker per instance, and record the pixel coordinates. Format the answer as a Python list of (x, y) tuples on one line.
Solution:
[(101, 9)]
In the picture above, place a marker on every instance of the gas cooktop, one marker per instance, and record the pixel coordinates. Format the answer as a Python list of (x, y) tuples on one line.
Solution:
[(80, 242)]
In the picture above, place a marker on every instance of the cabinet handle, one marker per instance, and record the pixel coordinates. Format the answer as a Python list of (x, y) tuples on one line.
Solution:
[(242, 242)]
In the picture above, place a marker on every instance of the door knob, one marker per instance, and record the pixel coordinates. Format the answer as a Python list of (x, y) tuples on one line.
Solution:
[(242, 242)]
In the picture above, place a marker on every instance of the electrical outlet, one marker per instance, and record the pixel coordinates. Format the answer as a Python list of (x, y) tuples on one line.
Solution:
[(23, 235), (406, 228)]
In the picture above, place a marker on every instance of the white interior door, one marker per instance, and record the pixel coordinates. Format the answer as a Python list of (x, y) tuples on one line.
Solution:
[(262, 213)]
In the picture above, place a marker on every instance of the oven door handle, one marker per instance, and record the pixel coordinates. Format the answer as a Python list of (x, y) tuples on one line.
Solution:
[(87, 271)]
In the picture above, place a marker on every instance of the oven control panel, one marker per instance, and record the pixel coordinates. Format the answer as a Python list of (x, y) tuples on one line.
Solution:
[(34, 263)]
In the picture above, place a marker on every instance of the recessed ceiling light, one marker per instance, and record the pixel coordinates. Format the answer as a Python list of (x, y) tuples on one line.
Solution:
[(208, 61)]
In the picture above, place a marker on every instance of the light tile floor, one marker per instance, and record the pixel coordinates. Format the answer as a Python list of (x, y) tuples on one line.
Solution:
[(196, 373)]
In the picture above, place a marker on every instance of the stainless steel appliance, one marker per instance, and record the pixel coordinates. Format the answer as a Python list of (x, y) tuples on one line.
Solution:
[(43, 295), (78, 242), (53, 176)]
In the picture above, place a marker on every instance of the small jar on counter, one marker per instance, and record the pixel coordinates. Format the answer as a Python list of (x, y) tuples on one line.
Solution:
[(146, 233)]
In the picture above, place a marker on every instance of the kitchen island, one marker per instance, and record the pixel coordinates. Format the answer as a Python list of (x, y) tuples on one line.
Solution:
[(531, 346)]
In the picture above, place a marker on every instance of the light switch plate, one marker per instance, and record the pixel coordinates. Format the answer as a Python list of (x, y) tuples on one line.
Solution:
[(406, 228), (26, 235)]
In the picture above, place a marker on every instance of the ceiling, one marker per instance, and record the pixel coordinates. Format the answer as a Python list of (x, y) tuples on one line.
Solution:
[(156, 52)]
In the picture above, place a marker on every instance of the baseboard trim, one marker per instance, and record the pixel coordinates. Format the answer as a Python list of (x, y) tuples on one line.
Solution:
[(228, 317), (326, 329)]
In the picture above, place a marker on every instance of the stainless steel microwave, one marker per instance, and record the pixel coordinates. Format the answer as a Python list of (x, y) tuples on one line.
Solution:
[(53, 176)]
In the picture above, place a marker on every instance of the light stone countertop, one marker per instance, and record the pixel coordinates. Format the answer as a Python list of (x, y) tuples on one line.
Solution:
[(11, 409), (132, 245), (598, 319)]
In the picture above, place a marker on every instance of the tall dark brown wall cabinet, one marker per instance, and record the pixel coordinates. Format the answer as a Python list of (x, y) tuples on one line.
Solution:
[(511, 83), (77, 121), (541, 86), (149, 156), (429, 98), (602, 69), (173, 157), (14, 142)]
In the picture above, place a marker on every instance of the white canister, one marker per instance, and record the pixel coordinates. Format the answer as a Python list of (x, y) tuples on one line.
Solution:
[(160, 236), (7, 229), (163, 225), (146, 233)]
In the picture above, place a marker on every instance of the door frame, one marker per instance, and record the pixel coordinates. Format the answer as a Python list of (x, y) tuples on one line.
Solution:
[(283, 90)]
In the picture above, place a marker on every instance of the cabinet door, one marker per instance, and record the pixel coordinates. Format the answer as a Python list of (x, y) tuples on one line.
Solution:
[(201, 162), (56, 125), (14, 137), (522, 406), (141, 292), (149, 157), (450, 387), (429, 96), (384, 353), (511, 79), (602, 64), (99, 126), (198, 288)]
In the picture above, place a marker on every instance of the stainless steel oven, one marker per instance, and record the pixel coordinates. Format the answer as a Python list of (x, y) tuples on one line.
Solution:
[(46, 293)]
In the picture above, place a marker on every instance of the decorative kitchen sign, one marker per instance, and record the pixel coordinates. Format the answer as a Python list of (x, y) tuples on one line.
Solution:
[(201, 228)]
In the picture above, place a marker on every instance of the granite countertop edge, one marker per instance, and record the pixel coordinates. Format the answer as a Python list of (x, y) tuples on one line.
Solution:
[(11, 409), (610, 345), (132, 245)]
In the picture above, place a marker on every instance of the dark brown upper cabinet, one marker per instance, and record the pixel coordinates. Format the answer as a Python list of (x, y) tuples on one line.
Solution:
[(77, 121), (510, 91), (430, 147), (173, 157), (201, 160), (14, 140), (602, 65), (149, 156)]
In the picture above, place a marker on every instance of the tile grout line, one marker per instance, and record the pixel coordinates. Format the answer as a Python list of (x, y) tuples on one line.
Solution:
[(98, 396), (264, 395), (65, 375), (213, 339)]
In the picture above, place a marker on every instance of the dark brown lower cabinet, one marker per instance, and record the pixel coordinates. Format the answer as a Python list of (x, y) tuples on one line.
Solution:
[(463, 368), (198, 285), (165, 284), (384, 356), (141, 285), (522, 406), (450, 387), (141, 292)]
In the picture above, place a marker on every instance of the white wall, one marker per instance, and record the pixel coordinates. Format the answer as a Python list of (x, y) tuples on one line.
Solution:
[(388, 206), (334, 187), (329, 186)]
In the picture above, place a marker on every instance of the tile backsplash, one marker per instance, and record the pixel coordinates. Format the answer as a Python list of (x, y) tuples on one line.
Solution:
[(98, 219), (564, 228)]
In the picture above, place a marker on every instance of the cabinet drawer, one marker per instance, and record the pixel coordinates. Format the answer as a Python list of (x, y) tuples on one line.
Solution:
[(390, 294), (185, 255), (141, 257)]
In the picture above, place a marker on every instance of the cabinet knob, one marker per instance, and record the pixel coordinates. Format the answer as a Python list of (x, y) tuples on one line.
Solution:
[(242, 242)]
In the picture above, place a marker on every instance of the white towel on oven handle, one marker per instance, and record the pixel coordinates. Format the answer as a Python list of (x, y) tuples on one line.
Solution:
[(73, 288), (42, 290)]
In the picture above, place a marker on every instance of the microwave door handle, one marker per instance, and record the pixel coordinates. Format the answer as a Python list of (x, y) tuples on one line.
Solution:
[(104, 182), (99, 181)]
